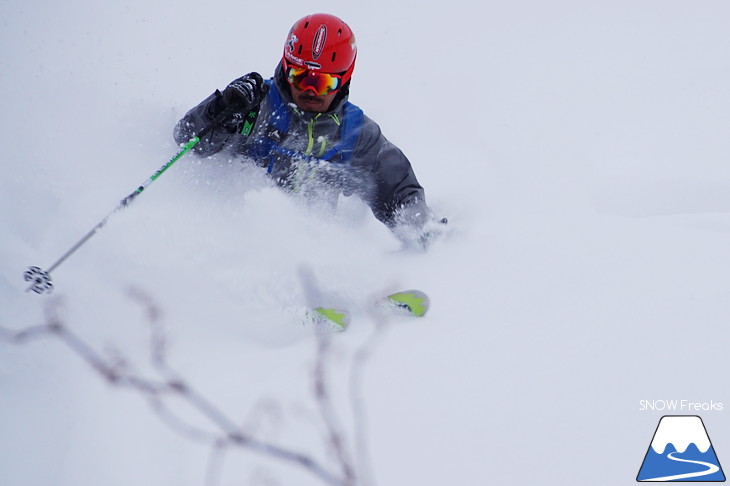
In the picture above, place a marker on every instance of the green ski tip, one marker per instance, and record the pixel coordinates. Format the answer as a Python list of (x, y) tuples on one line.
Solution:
[(337, 320), (414, 302)]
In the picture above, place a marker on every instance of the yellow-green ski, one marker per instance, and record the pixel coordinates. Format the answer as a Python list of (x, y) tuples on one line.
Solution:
[(327, 319), (413, 302)]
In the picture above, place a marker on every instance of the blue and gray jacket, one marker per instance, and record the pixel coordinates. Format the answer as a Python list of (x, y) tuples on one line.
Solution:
[(321, 155)]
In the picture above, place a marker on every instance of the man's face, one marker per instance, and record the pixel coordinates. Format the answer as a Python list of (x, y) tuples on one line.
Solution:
[(309, 101)]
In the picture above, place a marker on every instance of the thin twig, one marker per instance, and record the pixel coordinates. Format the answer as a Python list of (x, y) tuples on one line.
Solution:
[(334, 431), (360, 419), (215, 460)]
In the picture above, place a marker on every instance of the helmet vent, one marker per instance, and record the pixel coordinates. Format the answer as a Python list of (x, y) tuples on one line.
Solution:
[(306, 24), (300, 49), (334, 54), (339, 32)]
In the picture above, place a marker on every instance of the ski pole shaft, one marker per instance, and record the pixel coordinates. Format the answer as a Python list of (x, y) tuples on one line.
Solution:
[(125, 202), (41, 280)]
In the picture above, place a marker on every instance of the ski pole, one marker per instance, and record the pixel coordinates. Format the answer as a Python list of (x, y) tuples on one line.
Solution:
[(41, 279)]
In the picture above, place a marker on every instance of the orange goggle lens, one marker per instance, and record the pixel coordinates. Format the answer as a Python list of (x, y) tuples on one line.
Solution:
[(305, 79)]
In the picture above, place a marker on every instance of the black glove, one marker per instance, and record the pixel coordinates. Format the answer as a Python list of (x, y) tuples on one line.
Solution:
[(245, 92)]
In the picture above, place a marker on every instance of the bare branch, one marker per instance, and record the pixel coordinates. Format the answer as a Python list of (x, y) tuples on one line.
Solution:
[(49, 327), (180, 426), (158, 340), (357, 402), (215, 461), (24, 335), (117, 373), (335, 436)]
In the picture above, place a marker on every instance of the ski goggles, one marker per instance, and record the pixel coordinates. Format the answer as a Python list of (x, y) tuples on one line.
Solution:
[(321, 83)]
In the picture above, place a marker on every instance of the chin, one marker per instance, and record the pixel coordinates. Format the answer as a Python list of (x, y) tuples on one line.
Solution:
[(312, 107)]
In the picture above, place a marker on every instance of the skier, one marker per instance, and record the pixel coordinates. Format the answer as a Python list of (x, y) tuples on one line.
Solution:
[(301, 128)]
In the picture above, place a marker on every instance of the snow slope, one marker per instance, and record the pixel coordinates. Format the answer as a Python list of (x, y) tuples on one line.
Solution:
[(579, 150)]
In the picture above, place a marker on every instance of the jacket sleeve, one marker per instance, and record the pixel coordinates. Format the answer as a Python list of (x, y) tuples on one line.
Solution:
[(205, 118), (393, 193)]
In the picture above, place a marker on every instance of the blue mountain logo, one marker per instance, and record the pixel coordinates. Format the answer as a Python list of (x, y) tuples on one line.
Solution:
[(681, 451)]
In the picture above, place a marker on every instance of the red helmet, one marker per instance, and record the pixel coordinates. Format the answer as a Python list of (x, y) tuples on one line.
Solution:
[(323, 43)]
